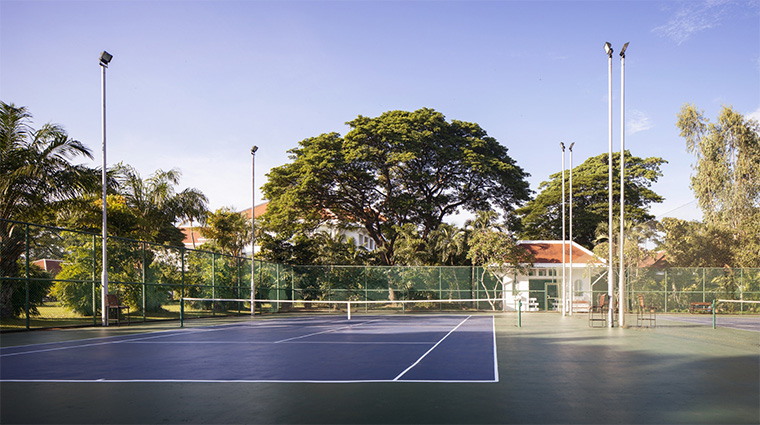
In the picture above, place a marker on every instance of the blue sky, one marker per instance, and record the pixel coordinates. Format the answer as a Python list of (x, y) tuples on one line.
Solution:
[(194, 84)]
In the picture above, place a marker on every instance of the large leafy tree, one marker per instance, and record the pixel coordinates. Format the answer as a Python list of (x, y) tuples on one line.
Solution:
[(396, 169), (36, 173), (726, 181), (542, 217), (695, 244), (230, 231)]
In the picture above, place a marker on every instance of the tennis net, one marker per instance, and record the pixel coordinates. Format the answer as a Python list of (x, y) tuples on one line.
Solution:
[(205, 307), (727, 312)]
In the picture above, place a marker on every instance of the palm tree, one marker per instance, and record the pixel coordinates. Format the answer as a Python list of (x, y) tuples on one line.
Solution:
[(157, 205), (450, 243), (36, 174)]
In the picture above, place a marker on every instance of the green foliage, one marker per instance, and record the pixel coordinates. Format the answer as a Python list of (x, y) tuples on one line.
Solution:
[(637, 236), (496, 252), (157, 206), (36, 174), (696, 244), (230, 231), (74, 287), (726, 182), (397, 169), (39, 285), (542, 217)]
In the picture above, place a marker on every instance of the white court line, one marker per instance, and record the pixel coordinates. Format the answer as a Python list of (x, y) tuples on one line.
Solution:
[(151, 336), (289, 342), (248, 381), (431, 349), (323, 332), (495, 362)]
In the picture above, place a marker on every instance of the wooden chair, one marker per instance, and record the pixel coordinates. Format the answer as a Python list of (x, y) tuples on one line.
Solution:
[(646, 313), (112, 303), (598, 312)]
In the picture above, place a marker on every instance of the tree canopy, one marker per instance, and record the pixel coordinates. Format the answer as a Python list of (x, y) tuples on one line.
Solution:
[(726, 181), (396, 169), (36, 173), (542, 217), (229, 231)]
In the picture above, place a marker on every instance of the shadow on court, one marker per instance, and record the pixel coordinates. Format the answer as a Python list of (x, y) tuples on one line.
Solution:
[(552, 370)]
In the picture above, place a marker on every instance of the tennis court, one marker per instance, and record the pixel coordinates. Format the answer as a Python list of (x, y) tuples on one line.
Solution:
[(326, 349), (325, 369)]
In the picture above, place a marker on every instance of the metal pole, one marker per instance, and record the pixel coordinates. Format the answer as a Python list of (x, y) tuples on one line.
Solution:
[(570, 283), (610, 283), (253, 228), (104, 265), (621, 277), (564, 292)]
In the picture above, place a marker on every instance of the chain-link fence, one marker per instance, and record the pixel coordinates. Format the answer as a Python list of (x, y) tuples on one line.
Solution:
[(50, 277)]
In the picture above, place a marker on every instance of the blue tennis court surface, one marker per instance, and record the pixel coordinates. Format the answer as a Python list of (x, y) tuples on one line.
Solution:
[(445, 348)]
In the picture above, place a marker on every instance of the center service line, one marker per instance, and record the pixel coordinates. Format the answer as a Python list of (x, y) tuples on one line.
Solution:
[(431, 349)]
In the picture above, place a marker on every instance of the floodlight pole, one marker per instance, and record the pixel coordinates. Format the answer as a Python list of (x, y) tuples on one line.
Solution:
[(105, 58), (621, 275), (570, 285), (610, 283), (253, 228), (564, 282)]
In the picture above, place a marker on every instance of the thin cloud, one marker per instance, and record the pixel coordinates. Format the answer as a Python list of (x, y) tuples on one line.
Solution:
[(693, 17), (754, 115), (637, 121)]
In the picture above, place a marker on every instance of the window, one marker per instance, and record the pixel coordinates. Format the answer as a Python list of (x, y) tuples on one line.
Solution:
[(578, 287)]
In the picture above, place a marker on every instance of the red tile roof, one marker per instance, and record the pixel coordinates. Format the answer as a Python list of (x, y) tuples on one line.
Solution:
[(550, 252), (51, 266), (258, 209)]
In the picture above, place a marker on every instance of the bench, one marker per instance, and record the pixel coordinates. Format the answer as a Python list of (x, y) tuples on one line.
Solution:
[(700, 307)]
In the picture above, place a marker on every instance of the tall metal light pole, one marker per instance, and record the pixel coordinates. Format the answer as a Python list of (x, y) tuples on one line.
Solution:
[(105, 58), (610, 283), (253, 228), (621, 275), (570, 285), (564, 282)]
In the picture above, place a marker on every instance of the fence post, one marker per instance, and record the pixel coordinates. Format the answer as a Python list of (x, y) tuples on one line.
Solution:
[(440, 287), (213, 283), (144, 288), (94, 276), (703, 284), (666, 290), (237, 293), (182, 288), (26, 242)]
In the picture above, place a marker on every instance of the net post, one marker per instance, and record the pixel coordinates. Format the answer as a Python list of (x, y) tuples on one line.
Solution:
[(182, 312), (519, 313), (713, 312), (349, 310)]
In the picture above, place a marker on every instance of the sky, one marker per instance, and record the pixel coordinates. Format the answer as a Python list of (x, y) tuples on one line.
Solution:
[(193, 85)]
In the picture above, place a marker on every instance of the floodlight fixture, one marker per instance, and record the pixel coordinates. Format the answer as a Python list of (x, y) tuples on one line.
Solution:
[(622, 51), (608, 49), (562, 145), (571, 146), (105, 58)]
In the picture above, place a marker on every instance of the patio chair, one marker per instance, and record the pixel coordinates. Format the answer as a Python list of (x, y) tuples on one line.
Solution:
[(598, 312), (112, 304), (646, 313)]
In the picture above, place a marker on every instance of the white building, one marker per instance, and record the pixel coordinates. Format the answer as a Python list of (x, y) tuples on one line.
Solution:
[(541, 288)]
